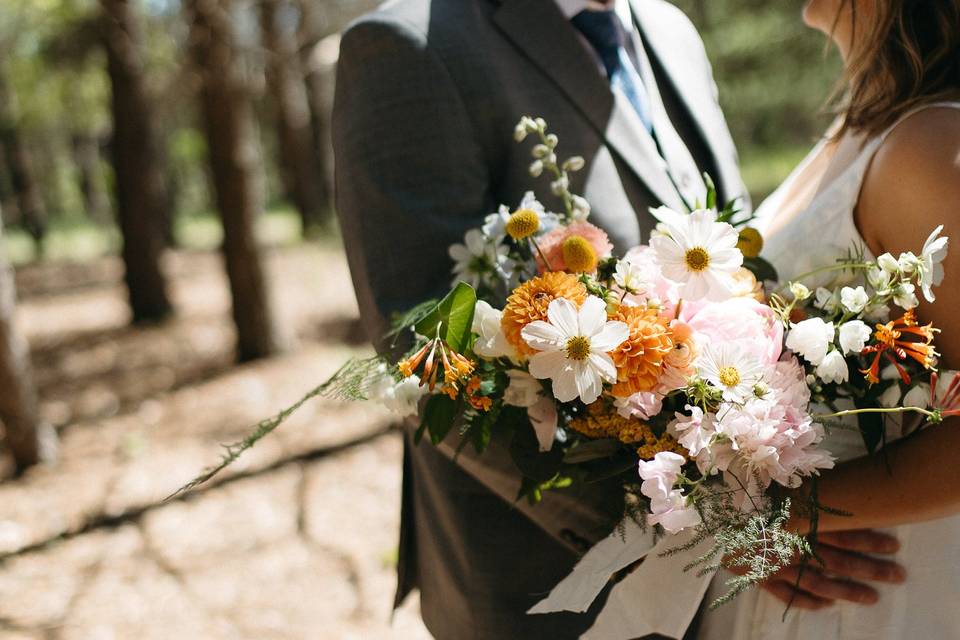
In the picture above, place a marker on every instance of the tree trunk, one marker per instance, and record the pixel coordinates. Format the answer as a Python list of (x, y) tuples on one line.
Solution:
[(227, 117), (86, 157), (318, 101), (139, 179), (28, 439), (19, 161), (302, 179)]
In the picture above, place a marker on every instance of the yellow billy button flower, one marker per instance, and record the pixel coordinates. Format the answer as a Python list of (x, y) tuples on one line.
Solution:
[(750, 242), (579, 255), (523, 224)]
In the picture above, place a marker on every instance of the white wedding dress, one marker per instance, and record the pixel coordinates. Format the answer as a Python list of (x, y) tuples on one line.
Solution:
[(808, 223)]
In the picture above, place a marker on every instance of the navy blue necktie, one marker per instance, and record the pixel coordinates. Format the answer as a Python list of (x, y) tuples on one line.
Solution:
[(605, 33)]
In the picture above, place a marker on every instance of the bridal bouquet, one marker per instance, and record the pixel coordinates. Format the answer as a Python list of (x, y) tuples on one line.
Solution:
[(670, 367)]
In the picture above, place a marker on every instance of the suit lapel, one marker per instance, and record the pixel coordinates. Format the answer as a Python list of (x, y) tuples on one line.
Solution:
[(694, 93), (539, 29)]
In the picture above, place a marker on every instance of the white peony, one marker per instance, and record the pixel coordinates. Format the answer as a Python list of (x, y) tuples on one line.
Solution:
[(854, 336), (833, 368), (810, 338), (574, 348), (491, 342), (854, 300), (699, 253)]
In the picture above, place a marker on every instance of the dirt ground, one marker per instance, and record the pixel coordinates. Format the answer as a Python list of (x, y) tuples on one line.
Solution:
[(297, 540)]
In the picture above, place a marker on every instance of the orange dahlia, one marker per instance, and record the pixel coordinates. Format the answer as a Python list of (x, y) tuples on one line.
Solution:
[(529, 303), (639, 359)]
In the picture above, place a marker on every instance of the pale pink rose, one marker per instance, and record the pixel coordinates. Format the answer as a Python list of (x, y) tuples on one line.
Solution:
[(551, 244), (643, 405), (743, 320)]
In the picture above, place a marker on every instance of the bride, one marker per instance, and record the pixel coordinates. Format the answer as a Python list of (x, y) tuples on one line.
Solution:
[(886, 174)]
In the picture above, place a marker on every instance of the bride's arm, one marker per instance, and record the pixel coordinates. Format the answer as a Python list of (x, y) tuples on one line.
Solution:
[(912, 186)]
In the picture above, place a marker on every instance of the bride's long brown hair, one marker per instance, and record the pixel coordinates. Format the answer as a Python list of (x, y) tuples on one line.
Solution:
[(907, 56)]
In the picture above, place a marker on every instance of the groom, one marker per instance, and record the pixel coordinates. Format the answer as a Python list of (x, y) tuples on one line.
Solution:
[(428, 93)]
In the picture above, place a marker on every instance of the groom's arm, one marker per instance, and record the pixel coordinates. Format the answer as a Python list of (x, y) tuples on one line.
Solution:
[(412, 177)]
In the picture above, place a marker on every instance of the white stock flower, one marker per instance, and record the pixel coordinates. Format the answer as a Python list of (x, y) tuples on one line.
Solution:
[(931, 259), (523, 391), (699, 253), (574, 348), (729, 369), (888, 264), (854, 336), (491, 342), (810, 338), (833, 368), (854, 300), (478, 260)]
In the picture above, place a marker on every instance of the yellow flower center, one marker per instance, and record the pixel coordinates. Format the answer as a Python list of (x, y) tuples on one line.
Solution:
[(579, 255), (523, 224), (729, 376), (697, 259), (750, 242), (578, 348)]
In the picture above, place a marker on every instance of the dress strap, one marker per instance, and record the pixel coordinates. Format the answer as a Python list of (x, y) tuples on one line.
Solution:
[(948, 104)]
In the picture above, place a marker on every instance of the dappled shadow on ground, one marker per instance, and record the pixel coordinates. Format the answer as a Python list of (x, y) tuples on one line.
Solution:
[(294, 541)]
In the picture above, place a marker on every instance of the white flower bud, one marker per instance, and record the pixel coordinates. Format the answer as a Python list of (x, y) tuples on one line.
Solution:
[(799, 290), (574, 163), (520, 132), (552, 140), (888, 263), (536, 168), (540, 123), (540, 150)]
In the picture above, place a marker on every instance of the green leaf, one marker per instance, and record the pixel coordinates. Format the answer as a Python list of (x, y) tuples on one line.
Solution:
[(762, 269), (532, 463), (711, 191), (453, 315), (592, 450), (439, 415)]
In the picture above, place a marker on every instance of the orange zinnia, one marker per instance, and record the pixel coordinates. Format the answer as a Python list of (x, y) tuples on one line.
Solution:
[(639, 359), (529, 303)]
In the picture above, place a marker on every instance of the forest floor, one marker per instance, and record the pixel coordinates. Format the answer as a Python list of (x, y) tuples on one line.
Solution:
[(295, 541)]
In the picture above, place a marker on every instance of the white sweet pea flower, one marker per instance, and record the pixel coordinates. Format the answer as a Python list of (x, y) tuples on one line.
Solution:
[(668, 506), (931, 259), (729, 369), (700, 254), (853, 336), (673, 513), (523, 391), (833, 368), (491, 342), (574, 348), (905, 297), (479, 260), (810, 338), (854, 300)]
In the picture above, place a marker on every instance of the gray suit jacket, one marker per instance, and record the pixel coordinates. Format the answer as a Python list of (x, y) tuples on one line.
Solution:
[(428, 93)]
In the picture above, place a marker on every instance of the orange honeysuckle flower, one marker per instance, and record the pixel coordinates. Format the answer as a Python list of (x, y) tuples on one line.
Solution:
[(891, 345), (456, 367)]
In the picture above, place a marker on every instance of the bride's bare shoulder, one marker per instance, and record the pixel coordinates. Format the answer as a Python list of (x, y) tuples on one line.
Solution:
[(914, 181)]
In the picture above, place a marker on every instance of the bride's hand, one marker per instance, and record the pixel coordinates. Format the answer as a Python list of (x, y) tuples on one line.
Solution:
[(846, 569)]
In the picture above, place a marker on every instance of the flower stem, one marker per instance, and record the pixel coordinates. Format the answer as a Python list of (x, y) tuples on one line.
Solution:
[(851, 412)]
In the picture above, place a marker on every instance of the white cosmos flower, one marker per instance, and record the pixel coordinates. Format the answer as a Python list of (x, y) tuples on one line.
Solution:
[(931, 259), (729, 369), (574, 348), (854, 300), (479, 260), (833, 368), (699, 253)]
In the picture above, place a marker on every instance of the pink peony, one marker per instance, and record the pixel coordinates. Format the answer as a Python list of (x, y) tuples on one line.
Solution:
[(551, 244), (743, 320)]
